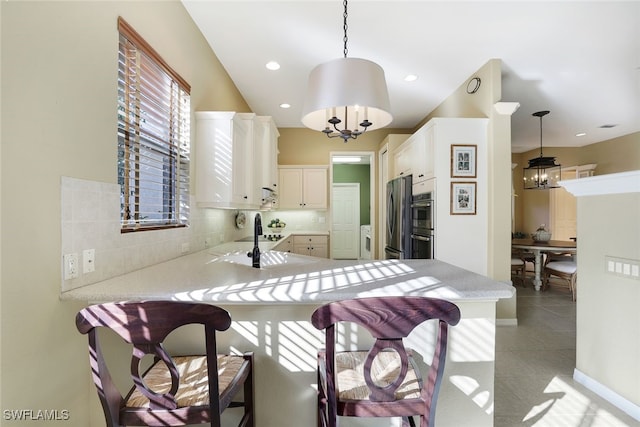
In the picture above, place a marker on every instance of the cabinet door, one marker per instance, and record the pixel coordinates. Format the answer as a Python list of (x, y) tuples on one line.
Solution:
[(429, 152), (403, 159), (224, 165), (314, 193), (319, 246), (266, 138), (320, 251), (285, 245), (290, 188), (312, 245), (419, 158), (422, 155), (242, 159)]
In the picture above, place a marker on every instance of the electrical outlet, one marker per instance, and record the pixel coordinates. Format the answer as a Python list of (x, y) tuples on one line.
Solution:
[(88, 261), (70, 262)]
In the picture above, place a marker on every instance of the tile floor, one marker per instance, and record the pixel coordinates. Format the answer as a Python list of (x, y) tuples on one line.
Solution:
[(535, 360)]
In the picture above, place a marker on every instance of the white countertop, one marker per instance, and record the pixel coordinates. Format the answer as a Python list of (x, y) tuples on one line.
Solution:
[(216, 275)]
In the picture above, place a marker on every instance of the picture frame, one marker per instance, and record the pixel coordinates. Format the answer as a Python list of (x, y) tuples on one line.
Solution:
[(463, 198), (463, 161)]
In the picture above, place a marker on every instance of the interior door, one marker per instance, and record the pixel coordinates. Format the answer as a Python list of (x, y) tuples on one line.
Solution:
[(345, 230), (562, 211)]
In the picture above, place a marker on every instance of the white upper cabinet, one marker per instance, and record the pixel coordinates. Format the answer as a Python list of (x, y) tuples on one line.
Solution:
[(225, 160), (402, 159), (415, 156), (266, 137), (302, 188)]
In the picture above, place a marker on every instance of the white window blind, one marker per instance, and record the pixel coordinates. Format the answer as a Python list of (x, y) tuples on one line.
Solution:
[(153, 137)]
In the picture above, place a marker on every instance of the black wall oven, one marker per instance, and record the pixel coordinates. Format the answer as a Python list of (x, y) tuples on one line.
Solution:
[(422, 226)]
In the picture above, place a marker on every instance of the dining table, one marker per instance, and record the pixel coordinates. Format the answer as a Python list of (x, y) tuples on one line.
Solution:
[(537, 248)]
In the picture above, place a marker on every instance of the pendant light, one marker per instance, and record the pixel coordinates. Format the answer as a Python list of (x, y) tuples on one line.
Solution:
[(346, 96), (543, 172)]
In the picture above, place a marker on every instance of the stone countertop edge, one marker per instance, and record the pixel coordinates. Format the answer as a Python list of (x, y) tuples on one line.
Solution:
[(205, 276)]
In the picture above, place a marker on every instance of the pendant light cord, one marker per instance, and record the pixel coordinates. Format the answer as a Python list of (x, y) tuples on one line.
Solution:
[(344, 26), (540, 136)]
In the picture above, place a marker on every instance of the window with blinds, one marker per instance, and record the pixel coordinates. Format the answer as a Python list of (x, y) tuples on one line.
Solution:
[(153, 137)]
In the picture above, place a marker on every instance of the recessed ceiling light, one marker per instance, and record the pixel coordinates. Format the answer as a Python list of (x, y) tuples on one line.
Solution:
[(272, 65), (579, 134), (285, 105), (410, 78)]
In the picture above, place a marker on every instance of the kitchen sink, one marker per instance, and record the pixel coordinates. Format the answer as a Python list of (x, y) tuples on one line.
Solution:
[(260, 239), (269, 259)]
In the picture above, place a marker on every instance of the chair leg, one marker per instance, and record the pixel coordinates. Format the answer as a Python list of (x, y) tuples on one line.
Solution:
[(249, 408)]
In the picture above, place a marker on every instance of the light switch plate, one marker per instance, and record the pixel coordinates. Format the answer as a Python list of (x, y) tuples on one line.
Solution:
[(623, 267)]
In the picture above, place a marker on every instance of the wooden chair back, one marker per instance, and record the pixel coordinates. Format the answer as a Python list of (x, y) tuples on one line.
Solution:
[(145, 325), (389, 320)]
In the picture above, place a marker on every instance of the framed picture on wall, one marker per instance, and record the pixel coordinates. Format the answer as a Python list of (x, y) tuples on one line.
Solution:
[(463, 161), (463, 198)]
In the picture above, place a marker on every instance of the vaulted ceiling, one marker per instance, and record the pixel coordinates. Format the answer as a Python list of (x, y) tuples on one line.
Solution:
[(578, 59)]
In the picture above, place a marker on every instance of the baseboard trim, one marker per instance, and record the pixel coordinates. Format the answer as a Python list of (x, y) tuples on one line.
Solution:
[(607, 394), (506, 322)]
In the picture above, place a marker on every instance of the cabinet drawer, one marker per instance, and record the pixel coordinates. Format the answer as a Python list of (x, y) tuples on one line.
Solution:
[(312, 239)]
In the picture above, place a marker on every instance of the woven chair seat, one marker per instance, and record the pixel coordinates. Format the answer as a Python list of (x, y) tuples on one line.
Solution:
[(194, 387), (386, 367)]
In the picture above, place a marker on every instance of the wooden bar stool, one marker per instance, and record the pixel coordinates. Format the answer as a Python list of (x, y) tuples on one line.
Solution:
[(176, 390), (383, 381)]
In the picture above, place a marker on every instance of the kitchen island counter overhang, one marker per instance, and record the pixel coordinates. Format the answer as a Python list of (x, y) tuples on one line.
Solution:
[(271, 309), (227, 278)]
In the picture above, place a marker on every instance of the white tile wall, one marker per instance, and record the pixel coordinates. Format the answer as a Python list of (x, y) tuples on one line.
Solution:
[(302, 220), (91, 220)]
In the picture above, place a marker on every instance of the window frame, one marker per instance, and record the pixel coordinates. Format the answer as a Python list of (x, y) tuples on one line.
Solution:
[(153, 142)]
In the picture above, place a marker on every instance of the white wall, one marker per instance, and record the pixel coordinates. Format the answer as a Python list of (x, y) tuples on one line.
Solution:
[(608, 342), (461, 239)]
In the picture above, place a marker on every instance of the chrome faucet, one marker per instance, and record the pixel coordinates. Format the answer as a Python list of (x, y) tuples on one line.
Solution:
[(257, 231)]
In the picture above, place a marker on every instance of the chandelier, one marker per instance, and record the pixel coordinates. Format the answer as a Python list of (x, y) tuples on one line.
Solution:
[(543, 172), (346, 96)]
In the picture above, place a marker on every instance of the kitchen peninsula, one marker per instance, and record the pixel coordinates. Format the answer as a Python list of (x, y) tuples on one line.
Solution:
[(271, 309)]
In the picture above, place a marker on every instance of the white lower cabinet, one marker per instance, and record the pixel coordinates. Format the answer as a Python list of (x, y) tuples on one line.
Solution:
[(305, 244), (313, 245)]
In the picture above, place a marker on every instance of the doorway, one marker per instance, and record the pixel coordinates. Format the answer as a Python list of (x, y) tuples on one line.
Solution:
[(350, 167), (345, 221)]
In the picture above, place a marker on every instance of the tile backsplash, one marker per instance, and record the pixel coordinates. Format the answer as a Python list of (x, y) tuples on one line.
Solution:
[(91, 220)]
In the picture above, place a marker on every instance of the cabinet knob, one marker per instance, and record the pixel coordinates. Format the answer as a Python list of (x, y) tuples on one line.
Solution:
[(245, 197), (421, 175)]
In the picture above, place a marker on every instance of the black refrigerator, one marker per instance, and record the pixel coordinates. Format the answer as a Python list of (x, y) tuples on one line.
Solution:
[(398, 218)]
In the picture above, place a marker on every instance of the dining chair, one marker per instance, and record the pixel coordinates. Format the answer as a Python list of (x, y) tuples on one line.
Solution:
[(174, 390), (518, 266), (383, 380), (563, 266)]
